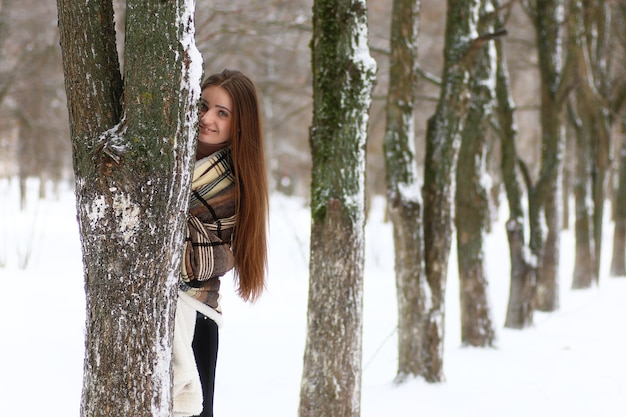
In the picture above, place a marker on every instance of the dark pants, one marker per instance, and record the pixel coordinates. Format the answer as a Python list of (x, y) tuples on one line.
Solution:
[(205, 341)]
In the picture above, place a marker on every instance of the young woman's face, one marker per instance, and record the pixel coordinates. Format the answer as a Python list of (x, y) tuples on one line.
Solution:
[(215, 119)]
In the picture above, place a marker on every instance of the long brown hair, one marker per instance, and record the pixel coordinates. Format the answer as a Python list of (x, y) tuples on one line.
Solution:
[(249, 243)]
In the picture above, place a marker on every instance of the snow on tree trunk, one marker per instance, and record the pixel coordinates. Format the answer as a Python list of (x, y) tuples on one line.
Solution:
[(343, 74), (132, 164), (523, 273), (472, 203), (403, 197), (442, 144), (596, 24), (584, 256), (548, 20)]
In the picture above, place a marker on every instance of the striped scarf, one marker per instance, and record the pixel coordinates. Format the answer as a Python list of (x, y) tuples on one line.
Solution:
[(210, 176), (210, 225)]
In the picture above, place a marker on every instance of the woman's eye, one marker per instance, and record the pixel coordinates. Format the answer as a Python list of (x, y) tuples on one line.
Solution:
[(203, 107)]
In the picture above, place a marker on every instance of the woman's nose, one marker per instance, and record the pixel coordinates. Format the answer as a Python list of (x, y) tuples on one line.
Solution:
[(205, 117)]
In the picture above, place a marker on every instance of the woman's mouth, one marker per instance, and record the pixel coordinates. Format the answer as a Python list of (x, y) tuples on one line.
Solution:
[(206, 130)]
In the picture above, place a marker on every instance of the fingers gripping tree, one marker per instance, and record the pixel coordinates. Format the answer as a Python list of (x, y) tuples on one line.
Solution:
[(133, 140)]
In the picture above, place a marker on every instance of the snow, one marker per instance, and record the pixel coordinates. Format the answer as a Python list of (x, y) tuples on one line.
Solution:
[(571, 362)]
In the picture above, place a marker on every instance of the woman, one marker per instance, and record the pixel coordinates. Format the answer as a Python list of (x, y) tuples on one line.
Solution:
[(226, 229)]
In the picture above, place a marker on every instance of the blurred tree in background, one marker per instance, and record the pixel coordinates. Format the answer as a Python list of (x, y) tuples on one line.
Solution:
[(34, 135)]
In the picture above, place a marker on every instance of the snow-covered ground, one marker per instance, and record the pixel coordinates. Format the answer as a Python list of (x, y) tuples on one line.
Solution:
[(571, 363)]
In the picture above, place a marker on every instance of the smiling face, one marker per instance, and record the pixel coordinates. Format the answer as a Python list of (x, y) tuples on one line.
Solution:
[(215, 120)]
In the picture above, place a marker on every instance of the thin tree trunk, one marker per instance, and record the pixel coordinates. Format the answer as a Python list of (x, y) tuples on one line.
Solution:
[(472, 206), (597, 16), (566, 186), (584, 263), (343, 74), (548, 19), (442, 144), (523, 268), (547, 292), (587, 49), (403, 198), (132, 167), (583, 260), (618, 262)]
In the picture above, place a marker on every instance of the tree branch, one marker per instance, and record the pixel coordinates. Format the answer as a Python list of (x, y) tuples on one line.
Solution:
[(91, 66), (476, 45), (433, 79), (525, 173)]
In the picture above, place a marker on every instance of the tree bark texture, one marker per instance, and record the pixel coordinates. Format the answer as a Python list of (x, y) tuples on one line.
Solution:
[(618, 261), (442, 145), (567, 179), (596, 19), (520, 307), (584, 269), (343, 74), (548, 19), (133, 147), (403, 197), (584, 264), (472, 202)]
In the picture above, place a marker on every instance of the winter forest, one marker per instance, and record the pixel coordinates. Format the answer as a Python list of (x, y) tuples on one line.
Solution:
[(447, 204)]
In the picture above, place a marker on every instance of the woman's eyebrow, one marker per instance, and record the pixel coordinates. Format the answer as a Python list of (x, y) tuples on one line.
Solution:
[(223, 107)]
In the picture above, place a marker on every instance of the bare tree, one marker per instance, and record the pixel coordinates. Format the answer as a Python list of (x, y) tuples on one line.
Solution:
[(582, 119), (618, 260), (442, 143), (544, 200), (133, 139), (596, 21), (403, 197), (343, 73), (32, 103), (472, 200), (523, 266)]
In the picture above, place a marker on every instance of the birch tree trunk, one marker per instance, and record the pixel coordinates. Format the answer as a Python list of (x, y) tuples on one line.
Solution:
[(442, 144), (403, 197), (133, 140), (343, 74), (472, 199)]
